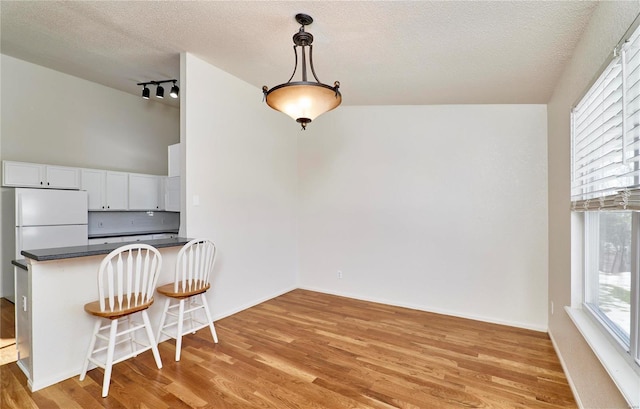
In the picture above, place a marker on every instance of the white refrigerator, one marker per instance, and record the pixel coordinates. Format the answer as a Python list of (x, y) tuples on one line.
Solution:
[(47, 218)]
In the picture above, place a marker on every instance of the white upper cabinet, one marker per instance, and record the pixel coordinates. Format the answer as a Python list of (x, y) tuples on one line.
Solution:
[(117, 190), (23, 174), (107, 190), (174, 160), (94, 182), (145, 192)]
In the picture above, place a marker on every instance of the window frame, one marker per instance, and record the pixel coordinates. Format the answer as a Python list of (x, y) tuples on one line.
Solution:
[(590, 232)]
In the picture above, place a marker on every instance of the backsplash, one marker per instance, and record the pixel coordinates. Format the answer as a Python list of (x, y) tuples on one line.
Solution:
[(120, 223)]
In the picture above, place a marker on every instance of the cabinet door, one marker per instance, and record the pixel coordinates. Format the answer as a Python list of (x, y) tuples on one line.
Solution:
[(172, 194), (174, 160), (93, 181), (144, 191), (117, 191), (23, 174), (62, 177)]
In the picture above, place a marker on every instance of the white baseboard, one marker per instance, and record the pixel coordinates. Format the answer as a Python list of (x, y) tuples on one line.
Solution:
[(432, 310), (252, 304), (572, 385)]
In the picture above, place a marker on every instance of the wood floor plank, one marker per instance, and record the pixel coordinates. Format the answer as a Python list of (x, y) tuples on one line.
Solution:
[(310, 350)]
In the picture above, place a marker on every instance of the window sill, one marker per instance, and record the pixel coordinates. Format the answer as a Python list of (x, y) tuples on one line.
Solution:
[(618, 368)]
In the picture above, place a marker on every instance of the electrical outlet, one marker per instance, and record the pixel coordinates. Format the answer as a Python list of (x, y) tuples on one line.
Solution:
[(339, 274)]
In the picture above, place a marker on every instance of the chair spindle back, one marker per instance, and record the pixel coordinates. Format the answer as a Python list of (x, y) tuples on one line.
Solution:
[(127, 276)]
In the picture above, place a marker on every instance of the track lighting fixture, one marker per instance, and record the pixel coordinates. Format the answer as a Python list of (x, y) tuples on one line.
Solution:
[(175, 91)]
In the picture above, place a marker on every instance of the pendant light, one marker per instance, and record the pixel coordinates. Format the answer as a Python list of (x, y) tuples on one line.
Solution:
[(303, 100)]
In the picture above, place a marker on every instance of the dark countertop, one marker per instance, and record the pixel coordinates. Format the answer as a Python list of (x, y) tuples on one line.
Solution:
[(92, 249), (22, 263)]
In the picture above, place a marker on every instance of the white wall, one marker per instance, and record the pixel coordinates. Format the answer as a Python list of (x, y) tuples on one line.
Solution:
[(239, 163), (51, 117), (608, 23), (439, 208)]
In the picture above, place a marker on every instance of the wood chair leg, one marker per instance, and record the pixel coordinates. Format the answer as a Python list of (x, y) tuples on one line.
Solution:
[(109, 363), (209, 319), (92, 345)]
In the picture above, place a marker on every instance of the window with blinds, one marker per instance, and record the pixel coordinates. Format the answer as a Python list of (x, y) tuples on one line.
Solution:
[(605, 128)]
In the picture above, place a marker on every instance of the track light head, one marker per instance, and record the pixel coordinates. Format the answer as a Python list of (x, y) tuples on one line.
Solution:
[(174, 90), (159, 91), (145, 92)]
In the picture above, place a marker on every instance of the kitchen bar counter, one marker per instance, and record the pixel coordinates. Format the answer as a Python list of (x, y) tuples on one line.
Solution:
[(52, 329), (94, 249)]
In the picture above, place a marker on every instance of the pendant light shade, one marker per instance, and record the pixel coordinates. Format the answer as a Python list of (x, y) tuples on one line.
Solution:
[(159, 92), (303, 100)]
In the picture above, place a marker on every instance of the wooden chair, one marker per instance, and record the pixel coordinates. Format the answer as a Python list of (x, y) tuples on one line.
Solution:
[(126, 281), (187, 293)]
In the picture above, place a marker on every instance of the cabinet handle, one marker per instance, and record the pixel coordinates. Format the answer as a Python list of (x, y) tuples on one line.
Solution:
[(48, 183), (41, 183), (103, 207), (108, 207)]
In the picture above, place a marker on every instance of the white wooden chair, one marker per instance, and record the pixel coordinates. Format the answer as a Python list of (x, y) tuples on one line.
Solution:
[(127, 278), (187, 293)]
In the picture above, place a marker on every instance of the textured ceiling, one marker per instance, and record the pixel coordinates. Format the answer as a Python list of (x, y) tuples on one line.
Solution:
[(382, 52)]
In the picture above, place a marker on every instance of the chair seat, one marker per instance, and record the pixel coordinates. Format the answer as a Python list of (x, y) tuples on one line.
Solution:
[(93, 308), (169, 290)]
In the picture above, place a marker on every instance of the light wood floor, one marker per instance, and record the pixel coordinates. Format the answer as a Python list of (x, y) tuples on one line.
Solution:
[(311, 350), (8, 351)]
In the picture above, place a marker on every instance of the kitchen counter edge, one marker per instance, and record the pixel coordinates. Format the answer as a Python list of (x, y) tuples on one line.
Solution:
[(95, 249)]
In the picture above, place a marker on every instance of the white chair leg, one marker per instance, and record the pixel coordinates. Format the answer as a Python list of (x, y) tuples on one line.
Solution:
[(167, 303), (152, 342), (209, 320), (179, 331), (109, 363), (92, 344)]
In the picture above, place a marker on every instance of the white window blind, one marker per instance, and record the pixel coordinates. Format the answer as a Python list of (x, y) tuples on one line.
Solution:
[(605, 127)]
